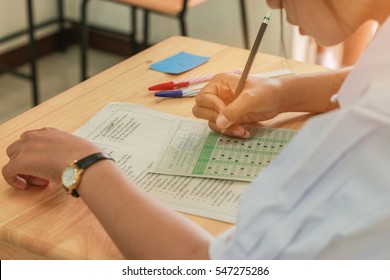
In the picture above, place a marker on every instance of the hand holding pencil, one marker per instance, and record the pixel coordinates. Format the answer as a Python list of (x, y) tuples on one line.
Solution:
[(229, 102)]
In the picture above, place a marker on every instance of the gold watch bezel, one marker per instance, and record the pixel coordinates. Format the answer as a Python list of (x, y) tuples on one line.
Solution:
[(77, 172)]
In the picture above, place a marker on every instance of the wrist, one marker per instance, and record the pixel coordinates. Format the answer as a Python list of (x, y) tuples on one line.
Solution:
[(71, 176), (310, 92), (277, 89), (300, 93)]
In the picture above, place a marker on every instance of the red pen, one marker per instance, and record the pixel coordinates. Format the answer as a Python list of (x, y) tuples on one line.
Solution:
[(178, 84)]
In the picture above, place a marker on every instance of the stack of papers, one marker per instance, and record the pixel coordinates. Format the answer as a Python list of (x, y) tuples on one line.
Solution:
[(179, 161)]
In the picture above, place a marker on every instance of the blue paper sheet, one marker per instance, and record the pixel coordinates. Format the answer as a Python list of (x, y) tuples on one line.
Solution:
[(179, 63)]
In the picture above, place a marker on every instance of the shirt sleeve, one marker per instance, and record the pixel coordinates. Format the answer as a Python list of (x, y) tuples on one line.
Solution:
[(323, 191)]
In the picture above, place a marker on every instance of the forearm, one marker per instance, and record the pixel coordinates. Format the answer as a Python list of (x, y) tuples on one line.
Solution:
[(141, 227), (311, 92)]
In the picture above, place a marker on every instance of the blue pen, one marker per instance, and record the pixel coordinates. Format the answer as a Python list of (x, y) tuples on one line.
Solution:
[(177, 93)]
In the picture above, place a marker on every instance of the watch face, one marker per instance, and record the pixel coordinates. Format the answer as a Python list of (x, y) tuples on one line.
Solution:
[(68, 177)]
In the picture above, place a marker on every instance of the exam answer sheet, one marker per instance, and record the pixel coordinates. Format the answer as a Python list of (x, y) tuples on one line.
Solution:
[(134, 135), (193, 150)]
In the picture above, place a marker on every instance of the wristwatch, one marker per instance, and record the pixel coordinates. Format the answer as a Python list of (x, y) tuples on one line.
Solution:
[(72, 174)]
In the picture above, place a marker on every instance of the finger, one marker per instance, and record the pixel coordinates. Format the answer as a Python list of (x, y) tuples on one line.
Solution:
[(36, 132), (204, 113), (35, 181), (17, 182), (13, 148), (22, 181), (234, 130), (13, 179), (223, 85), (210, 101), (27, 133)]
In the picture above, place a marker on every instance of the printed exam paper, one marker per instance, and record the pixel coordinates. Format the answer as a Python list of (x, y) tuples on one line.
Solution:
[(134, 135)]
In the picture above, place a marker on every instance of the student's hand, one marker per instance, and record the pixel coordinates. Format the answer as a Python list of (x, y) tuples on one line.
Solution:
[(40, 156), (260, 100)]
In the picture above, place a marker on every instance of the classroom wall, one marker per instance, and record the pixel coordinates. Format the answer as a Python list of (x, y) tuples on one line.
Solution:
[(217, 20), (13, 18)]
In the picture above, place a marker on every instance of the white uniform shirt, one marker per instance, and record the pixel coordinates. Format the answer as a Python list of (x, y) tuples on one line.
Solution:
[(327, 196)]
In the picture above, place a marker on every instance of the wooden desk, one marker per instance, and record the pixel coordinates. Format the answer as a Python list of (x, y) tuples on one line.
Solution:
[(45, 223)]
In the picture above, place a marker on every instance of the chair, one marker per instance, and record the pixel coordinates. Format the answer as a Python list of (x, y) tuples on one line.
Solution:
[(33, 53), (173, 8)]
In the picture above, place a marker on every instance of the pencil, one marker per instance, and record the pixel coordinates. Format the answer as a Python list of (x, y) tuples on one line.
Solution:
[(252, 54)]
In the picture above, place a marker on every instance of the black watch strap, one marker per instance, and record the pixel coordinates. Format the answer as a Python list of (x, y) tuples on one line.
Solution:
[(91, 159), (88, 161)]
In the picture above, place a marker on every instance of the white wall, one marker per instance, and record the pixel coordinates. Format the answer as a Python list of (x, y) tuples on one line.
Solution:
[(217, 20), (13, 18)]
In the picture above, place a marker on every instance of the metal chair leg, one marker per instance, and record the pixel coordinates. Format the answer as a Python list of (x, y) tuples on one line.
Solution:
[(146, 29), (244, 23), (84, 40), (133, 31), (181, 17), (61, 41), (183, 26), (33, 54)]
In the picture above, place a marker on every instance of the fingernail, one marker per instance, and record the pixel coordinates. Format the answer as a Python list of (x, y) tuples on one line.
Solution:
[(222, 122), (241, 132)]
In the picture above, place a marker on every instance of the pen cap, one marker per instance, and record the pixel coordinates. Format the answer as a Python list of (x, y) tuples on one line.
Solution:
[(168, 86)]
